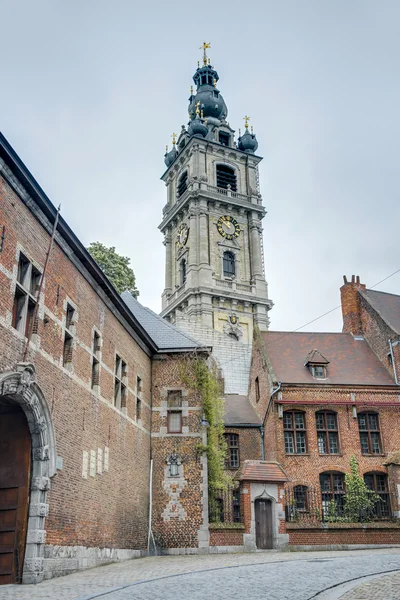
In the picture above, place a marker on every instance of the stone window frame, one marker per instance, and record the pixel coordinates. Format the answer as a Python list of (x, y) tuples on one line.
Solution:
[(97, 343), (227, 246), (257, 389), (174, 412), (232, 165), (26, 294), (178, 180), (139, 397), (69, 335), (120, 383), (293, 430)]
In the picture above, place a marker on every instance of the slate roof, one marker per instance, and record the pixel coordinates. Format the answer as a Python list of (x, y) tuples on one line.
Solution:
[(387, 305), (165, 336), (351, 361), (261, 470), (239, 411)]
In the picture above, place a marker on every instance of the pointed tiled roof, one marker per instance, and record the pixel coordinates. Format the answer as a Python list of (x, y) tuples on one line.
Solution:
[(261, 470), (166, 336), (351, 361), (315, 358), (386, 305)]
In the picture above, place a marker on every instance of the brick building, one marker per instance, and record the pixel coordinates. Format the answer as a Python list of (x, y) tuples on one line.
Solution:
[(324, 397), (75, 404)]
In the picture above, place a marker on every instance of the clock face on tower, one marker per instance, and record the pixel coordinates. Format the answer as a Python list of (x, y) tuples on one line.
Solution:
[(228, 227), (182, 235)]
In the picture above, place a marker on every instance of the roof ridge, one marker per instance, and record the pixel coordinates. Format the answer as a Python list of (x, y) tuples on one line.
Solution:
[(379, 292)]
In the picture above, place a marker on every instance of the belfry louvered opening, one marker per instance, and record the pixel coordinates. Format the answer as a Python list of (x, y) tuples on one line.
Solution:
[(226, 176), (182, 184)]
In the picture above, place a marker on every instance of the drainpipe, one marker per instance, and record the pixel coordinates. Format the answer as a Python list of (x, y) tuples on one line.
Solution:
[(274, 391), (393, 363)]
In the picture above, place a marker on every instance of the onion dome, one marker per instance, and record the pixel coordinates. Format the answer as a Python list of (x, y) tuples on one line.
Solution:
[(197, 127), (211, 101), (169, 157), (248, 141)]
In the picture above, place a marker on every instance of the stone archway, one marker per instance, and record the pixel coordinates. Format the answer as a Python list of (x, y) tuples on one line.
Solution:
[(20, 386)]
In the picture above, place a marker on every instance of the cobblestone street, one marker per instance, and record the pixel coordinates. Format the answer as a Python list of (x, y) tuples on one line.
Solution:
[(286, 576)]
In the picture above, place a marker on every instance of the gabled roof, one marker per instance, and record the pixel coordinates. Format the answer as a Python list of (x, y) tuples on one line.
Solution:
[(386, 305), (352, 362), (261, 470), (164, 335), (239, 411), (315, 358)]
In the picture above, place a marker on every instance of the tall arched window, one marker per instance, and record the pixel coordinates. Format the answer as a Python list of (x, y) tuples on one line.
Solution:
[(295, 434), (300, 497), (377, 482), (327, 432), (229, 264), (332, 489), (183, 271), (226, 176), (182, 184), (370, 437)]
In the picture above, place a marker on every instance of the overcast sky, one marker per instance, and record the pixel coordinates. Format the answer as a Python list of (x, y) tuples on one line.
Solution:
[(92, 90)]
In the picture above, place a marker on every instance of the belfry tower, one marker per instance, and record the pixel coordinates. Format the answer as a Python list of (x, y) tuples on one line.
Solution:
[(214, 269)]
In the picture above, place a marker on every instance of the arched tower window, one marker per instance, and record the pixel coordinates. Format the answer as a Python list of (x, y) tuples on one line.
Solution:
[(226, 176), (229, 264), (183, 271), (182, 184)]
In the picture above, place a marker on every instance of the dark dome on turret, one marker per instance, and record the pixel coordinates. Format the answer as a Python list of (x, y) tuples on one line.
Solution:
[(211, 101), (197, 127), (169, 157), (248, 142)]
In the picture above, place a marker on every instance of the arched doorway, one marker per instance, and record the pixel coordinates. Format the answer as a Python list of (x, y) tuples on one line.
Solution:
[(264, 523), (15, 474), (27, 462)]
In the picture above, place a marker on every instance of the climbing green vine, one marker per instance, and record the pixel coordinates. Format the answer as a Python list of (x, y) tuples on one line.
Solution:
[(202, 375)]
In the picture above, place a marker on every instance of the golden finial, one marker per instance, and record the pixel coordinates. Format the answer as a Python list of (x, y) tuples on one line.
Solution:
[(215, 82), (173, 139), (197, 108), (191, 90), (246, 121), (204, 47), (166, 148)]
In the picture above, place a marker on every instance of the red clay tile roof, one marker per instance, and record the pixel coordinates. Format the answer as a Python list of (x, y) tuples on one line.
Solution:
[(387, 305), (260, 470), (239, 411), (351, 362)]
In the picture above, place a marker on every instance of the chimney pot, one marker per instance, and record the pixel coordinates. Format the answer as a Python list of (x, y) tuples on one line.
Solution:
[(353, 279), (358, 279), (344, 279)]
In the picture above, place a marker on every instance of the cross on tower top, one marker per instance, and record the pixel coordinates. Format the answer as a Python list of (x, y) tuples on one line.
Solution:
[(204, 47)]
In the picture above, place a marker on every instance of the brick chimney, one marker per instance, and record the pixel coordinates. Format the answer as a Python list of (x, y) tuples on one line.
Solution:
[(350, 299)]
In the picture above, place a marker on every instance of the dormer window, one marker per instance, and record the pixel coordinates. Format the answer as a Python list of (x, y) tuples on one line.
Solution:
[(224, 138), (317, 364), (318, 371)]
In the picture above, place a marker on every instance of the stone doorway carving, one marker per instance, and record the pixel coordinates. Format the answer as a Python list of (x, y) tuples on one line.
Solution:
[(19, 386)]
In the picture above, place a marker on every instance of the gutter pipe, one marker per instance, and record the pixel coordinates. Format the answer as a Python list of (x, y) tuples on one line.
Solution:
[(262, 428), (393, 363)]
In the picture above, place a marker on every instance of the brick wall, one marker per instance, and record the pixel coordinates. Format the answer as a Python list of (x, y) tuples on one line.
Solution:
[(107, 509), (339, 534), (249, 444), (226, 536), (177, 502), (304, 469)]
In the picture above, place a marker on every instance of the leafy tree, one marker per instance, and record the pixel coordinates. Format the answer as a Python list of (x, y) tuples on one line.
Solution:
[(115, 267), (359, 500)]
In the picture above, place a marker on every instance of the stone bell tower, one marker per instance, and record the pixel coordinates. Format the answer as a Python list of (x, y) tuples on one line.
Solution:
[(214, 269)]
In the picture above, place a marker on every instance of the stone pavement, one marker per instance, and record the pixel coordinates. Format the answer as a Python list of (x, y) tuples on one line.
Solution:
[(286, 576), (386, 587)]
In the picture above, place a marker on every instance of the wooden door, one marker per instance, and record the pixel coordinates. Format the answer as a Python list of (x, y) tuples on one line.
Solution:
[(15, 463), (264, 533)]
